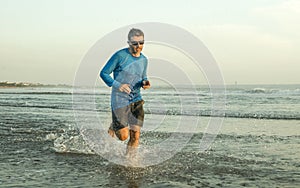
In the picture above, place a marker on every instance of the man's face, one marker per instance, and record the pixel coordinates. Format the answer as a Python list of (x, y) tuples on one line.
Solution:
[(136, 44)]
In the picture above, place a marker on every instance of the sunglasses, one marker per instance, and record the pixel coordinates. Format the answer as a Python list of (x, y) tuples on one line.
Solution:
[(136, 43)]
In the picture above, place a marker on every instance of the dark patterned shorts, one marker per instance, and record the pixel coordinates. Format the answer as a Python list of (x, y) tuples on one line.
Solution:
[(133, 114)]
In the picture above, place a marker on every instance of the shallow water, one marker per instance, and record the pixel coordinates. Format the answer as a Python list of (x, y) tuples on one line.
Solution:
[(41, 147)]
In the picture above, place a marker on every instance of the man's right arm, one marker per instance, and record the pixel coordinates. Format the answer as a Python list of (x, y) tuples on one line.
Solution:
[(109, 67)]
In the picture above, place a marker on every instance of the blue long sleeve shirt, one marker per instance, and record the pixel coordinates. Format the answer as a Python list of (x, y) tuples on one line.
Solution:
[(126, 69)]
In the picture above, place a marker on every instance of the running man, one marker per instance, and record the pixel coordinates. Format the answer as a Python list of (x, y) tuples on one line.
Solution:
[(129, 68)]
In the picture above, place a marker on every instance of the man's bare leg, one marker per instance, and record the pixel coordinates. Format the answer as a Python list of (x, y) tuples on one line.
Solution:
[(133, 142), (122, 134)]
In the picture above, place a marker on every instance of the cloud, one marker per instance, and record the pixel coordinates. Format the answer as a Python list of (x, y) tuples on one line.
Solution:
[(285, 15), (245, 42), (251, 54), (285, 9)]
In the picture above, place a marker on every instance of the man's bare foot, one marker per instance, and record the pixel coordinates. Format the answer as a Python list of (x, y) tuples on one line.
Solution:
[(111, 132)]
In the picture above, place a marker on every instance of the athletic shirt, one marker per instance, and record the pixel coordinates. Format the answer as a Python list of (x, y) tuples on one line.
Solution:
[(126, 69)]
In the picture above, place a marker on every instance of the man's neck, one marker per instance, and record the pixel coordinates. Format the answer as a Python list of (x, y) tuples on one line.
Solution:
[(137, 54)]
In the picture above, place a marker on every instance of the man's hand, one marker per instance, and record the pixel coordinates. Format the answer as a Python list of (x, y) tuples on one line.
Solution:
[(125, 88), (146, 84)]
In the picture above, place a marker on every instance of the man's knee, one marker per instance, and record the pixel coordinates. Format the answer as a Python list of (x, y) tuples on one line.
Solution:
[(123, 133)]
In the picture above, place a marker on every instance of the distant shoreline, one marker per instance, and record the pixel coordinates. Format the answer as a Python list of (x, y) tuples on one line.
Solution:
[(27, 84)]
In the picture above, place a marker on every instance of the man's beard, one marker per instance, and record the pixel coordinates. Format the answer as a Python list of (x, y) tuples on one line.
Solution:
[(134, 50)]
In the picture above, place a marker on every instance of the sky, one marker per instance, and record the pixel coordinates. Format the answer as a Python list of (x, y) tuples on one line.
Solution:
[(252, 41)]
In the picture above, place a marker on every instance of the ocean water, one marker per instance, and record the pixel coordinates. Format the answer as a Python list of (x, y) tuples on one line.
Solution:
[(51, 137)]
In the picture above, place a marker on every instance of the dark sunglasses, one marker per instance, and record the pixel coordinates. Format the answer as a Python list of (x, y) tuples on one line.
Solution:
[(136, 43)]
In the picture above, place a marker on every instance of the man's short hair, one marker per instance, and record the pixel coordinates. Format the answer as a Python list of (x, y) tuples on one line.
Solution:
[(135, 32)]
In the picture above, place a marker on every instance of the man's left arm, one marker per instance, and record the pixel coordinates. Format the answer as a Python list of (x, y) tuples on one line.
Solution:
[(145, 82)]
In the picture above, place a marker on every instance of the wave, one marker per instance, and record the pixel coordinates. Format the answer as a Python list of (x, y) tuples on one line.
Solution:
[(52, 93), (292, 91), (258, 90), (265, 116), (24, 105), (169, 112), (232, 115), (73, 141), (36, 93)]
